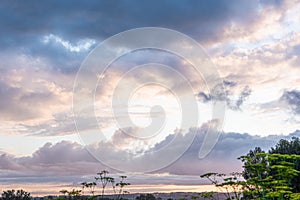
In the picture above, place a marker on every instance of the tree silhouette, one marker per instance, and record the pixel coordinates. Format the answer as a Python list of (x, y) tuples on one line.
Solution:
[(15, 195), (268, 176), (72, 194), (282, 147), (270, 179), (91, 186), (290, 147), (253, 159), (229, 185), (119, 187), (104, 180)]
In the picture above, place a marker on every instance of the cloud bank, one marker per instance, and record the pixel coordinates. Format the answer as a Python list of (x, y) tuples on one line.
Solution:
[(71, 159)]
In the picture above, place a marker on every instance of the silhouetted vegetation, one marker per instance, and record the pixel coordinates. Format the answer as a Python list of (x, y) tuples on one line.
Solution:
[(290, 148), (15, 195), (269, 176), (103, 180)]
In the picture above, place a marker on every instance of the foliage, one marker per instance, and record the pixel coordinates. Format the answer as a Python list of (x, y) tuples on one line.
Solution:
[(208, 195), (15, 195), (72, 194), (254, 160), (268, 176), (271, 179), (283, 147), (287, 147), (230, 186), (89, 185), (119, 187), (290, 147), (104, 180)]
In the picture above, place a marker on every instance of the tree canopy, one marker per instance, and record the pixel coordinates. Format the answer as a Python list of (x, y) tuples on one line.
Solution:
[(274, 175)]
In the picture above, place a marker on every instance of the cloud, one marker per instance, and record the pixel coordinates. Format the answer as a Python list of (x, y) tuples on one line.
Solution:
[(224, 92), (66, 164), (64, 158), (288, 102), (71, 159), (16, 103), (63, 36), (262, 64), (63, 152), (83, 45), (55, 42), (223, 157), (98, 18), (292, 99), (53, 127), (18, 100), (7, 162), (242, 97)]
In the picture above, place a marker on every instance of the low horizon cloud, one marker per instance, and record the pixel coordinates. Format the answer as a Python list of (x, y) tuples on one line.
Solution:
[(70, 159)]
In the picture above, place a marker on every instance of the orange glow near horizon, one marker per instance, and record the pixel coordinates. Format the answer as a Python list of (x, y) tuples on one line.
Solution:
[(45, 189)]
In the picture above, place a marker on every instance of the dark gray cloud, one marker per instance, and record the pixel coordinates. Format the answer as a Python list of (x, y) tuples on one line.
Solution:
[(292, 99), (24, 25), (225, 92), (242, 97), (229, 83), (289, 102), (96, 19), (218, 93)]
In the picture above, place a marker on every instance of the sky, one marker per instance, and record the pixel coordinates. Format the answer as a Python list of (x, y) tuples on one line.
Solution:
[(63, 118)]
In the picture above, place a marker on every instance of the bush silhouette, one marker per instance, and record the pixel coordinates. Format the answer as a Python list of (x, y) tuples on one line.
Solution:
[(15, 195)]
